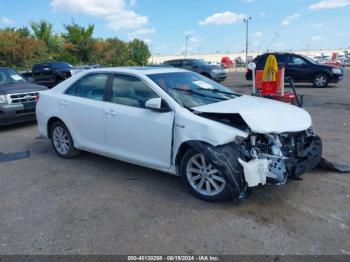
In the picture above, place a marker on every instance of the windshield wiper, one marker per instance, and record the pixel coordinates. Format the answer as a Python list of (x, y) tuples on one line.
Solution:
[(196, 93), (215, 90)]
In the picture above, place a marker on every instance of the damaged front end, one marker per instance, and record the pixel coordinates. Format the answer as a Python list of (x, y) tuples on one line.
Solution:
[(273, 158)]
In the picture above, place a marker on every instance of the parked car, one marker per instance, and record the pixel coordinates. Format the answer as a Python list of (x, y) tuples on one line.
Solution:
[(49, 73), (302, 69), (182, 123), (214, 72), (346, 62), (17, 97)]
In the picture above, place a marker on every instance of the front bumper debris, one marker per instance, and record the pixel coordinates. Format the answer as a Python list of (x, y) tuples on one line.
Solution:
[(287, 157), (307, 158)]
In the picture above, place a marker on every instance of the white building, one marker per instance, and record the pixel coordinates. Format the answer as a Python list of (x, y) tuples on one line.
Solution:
[(216, 58)]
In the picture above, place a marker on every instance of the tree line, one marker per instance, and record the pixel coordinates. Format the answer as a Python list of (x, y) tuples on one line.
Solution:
[(22, 47)]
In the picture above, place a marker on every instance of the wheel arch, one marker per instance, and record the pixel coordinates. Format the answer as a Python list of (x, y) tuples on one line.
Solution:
[(50, 122), (224, 158), (327, 73), (183, 148)]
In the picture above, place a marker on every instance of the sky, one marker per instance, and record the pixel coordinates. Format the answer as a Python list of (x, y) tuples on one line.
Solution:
[(212, 25)]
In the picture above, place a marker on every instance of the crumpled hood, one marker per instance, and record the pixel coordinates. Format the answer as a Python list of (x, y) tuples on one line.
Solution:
[(262, 115)]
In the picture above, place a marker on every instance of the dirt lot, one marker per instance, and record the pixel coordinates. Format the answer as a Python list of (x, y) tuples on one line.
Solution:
[(96, 205)]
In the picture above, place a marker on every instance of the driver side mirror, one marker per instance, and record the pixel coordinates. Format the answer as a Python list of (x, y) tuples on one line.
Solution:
[(157, 104)]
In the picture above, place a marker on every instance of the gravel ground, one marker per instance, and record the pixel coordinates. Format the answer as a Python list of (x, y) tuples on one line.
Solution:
[(96, 205)]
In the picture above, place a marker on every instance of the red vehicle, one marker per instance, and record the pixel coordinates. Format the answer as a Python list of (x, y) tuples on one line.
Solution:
[(333, 62), (226, 62)]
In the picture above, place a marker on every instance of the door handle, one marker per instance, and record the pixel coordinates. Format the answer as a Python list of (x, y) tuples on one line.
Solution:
[(110, 112), (64, 103)]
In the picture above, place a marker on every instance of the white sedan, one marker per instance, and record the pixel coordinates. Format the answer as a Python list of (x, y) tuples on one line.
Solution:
[(220, 143)]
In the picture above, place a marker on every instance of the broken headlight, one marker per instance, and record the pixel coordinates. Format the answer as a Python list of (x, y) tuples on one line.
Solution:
[(311, 131)]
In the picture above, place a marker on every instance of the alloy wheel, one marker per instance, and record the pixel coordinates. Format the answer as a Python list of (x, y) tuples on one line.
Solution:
[(203, 177), (320, 81), (61, 140)]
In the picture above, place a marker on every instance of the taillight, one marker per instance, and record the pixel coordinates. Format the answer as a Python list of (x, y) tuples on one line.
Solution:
[(37, 97)]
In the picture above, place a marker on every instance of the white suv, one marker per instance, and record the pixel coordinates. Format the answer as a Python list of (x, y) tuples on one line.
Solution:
[(220, 143)]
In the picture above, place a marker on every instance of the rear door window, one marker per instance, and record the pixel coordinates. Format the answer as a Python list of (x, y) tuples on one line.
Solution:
[(91, 86), (296, 61)]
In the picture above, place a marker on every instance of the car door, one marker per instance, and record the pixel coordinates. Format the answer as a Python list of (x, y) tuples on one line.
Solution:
[(132, 131), (82, 110), (297, 68)]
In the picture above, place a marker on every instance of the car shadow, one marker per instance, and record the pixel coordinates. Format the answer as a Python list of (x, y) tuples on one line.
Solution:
[(17, 126), (157, 184)]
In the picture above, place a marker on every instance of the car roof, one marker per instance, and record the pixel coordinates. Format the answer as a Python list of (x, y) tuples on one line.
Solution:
[(139, 70), (50, 63), (182, 59), (279, 53)]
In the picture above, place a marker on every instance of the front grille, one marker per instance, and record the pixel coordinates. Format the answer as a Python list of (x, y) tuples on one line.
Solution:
[(21, 98)]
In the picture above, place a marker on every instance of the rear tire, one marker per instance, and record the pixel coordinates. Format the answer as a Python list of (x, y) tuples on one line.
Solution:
[(320, 80), (201, 177), (62, 141)]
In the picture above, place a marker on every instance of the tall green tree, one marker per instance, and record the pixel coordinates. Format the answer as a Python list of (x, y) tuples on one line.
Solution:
[(23, 31), (110, 52), (42, 31), (21, 48), (79, 40), (138, 52)]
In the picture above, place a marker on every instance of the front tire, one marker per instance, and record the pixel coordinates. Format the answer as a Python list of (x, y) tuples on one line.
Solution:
[(320, 80), (201, 177), (62, 141)]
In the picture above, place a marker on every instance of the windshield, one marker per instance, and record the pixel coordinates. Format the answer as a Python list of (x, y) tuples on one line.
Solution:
[(309, 59), (10, 76), (190, 89)]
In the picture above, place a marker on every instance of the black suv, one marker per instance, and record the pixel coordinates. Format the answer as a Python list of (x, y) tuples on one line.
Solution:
[(49, 74), (199, 66), (301, 69)]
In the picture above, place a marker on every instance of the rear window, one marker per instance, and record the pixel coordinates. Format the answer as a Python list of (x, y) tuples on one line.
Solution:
[(174, 63), (260, 61), (40, 66), (60, 65)]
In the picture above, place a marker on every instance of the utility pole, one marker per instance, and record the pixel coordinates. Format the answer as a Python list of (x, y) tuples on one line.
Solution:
[(152, 58), (246, 21), (187, 37)]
